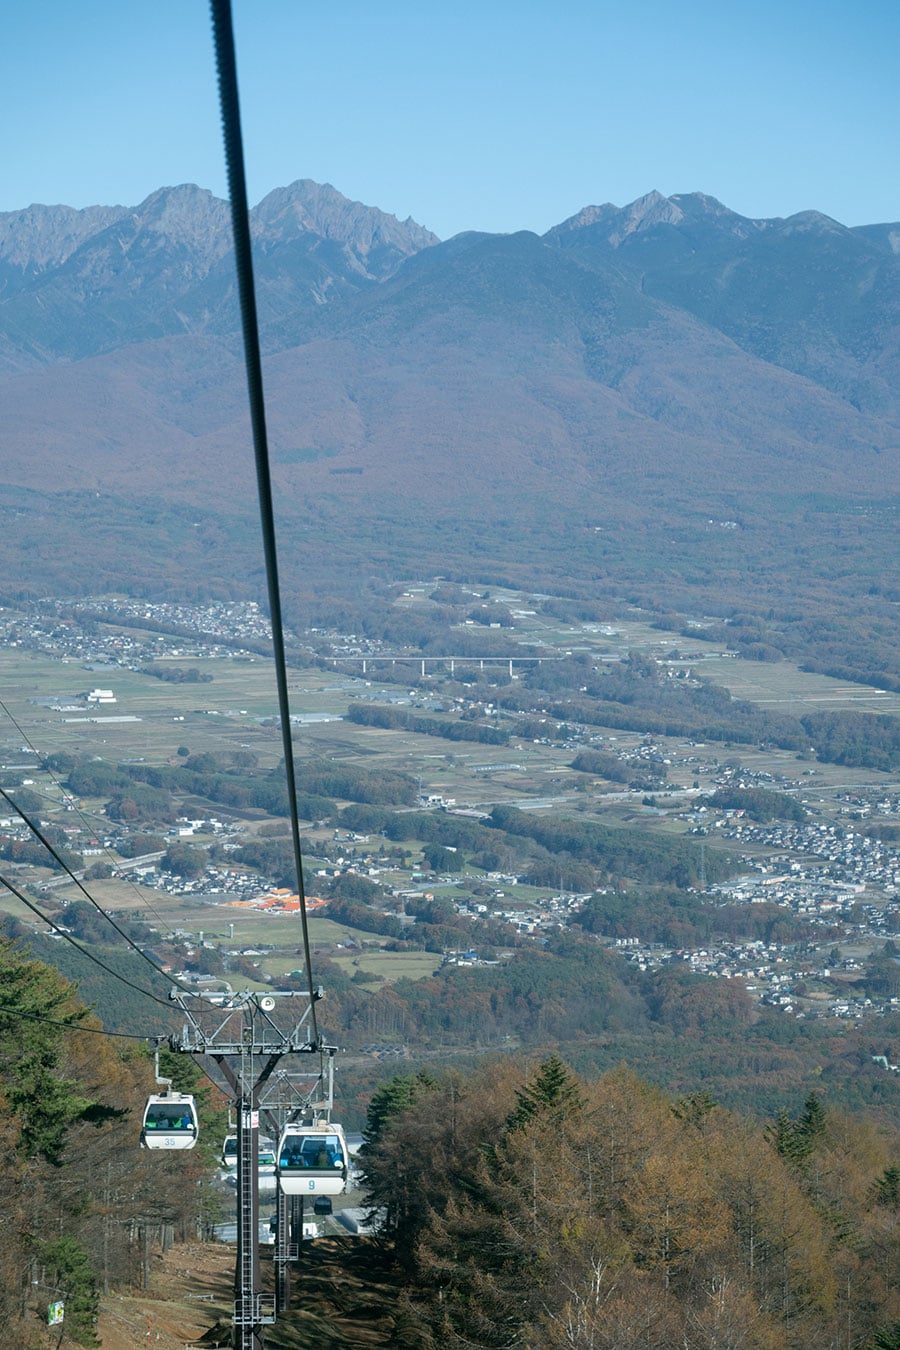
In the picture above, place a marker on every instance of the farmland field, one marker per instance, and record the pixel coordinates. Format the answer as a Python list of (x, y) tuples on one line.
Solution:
[(235, 710)]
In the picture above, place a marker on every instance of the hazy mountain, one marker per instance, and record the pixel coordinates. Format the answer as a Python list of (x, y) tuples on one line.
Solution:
[(667, 396), (805, 293), (76, 283)]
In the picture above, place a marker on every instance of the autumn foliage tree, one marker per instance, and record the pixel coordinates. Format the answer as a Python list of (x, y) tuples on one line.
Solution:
[(82, 1206), (546, 1211)]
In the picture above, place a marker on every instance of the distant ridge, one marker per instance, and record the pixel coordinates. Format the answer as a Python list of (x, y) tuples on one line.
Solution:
[(578, 410), (77, 283)]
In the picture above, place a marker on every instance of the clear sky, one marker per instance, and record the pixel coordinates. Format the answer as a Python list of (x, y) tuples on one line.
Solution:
[(480, 114)]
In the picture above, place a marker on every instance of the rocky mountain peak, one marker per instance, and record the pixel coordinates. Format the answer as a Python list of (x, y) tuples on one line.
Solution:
[(185, 214), (618, 222), (318, 208), (38, 236), (651, 209), (812, 222)]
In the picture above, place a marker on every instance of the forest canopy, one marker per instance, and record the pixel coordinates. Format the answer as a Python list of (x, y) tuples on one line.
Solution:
[(549, 1210)]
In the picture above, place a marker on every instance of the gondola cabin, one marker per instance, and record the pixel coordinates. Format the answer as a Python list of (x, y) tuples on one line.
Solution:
[(313, 1159), (229, 1151), (170, 1121)]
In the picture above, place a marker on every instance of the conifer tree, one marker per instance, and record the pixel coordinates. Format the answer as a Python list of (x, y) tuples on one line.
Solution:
[(32, 1046), (887, 1187), (796, 1140), (71, 1273), (553, 1094)]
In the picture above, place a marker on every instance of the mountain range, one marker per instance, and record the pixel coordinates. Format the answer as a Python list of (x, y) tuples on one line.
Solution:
[(667, 400)]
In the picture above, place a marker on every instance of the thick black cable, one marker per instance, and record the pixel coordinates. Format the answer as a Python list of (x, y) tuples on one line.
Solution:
[(226, 63), (72, 1026), (84, 890), (4, 881)]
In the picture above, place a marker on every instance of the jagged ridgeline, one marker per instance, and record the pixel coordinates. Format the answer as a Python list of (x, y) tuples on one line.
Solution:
[(663, 401)]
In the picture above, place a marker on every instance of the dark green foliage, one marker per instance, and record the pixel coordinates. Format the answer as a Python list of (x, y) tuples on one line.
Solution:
[(184, 860), (177, 674), (615, 770), (389, 1101), (428, 826), (618, 852), (272, 857), (351, 886), (685, 919), (797, 1139), (137, 802), (868, 739), (366, 819), (563, 874), (29, 802), (139, 792), (348, 781), (121, 1008), (72, 1274), (888, 1339), (31, 1053), (60, 762), (553, 1094), (365, 714), (694, 1107), (571, 988), (759, 804), (356, 915), (639, 695), (90, 925), (442, 859), (100, 871), (887, 1188), (136, 845), (434, 911), (95, 778)]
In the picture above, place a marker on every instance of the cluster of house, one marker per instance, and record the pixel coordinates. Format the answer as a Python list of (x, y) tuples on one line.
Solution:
[(829, 854), (49, 629), (776, 976)]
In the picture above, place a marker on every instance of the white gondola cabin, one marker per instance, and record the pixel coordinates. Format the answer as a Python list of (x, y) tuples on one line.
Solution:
[(313, 1159), (170, 1121)]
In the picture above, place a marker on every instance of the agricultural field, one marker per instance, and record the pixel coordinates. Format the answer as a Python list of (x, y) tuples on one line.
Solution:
[(234, 710)]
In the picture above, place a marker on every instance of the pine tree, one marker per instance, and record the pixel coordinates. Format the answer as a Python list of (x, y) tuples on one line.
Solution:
[(811, 1124), (70, 1272), (887, 1187), (553, 1095), (389, 1101), (796, 1140), (32, 1048)]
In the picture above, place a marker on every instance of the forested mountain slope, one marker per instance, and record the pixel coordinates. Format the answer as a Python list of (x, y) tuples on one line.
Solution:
[(667, 401), (554, 1212), (82, 1207)]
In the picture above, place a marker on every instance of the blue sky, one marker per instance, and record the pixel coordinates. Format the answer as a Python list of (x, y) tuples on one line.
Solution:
[(490, 115)]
